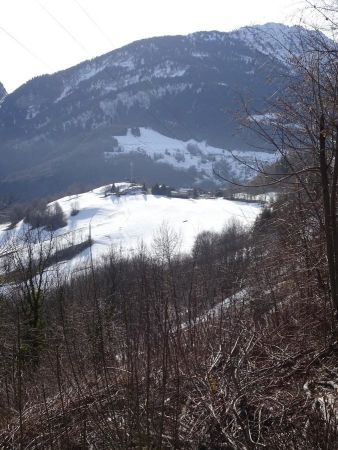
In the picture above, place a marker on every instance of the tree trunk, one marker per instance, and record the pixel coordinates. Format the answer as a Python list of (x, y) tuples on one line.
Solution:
[(329, 220)]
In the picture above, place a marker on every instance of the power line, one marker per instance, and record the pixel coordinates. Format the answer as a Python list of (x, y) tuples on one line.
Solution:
[(93, 21), (86, 51), (10, 35), (60, 24), (162, 123)]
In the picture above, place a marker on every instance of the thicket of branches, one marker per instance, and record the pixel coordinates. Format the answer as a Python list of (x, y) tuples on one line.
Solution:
[(231, 347)]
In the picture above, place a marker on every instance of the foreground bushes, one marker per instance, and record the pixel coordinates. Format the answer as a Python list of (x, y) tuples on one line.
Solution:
[(157, 352)]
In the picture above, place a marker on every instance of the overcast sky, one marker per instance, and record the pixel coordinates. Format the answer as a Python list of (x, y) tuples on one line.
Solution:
[(43, 36)]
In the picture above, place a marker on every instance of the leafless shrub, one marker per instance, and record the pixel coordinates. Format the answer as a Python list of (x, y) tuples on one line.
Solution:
[(75, 209), (48, 216)]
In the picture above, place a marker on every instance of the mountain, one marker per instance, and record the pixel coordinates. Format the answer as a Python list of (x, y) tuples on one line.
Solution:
[(55, 130), (3, 92)]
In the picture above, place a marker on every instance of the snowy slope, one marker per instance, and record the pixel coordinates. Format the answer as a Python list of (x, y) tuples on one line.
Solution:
[(124, 222), (183, 155)]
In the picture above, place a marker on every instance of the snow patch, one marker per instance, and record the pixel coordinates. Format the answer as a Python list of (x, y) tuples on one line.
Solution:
[(169, 70), (266, 118), (32, 111), (184, 155)]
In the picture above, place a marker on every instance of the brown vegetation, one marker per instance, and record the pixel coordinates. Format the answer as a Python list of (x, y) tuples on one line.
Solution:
[(135, 354)]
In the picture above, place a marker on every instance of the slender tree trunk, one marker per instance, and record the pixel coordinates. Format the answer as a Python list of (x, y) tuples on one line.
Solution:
[(329, 221)]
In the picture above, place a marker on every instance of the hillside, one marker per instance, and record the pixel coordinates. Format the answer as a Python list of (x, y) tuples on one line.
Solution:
[(198, 160), (55, 129), (238, 333), (125, 222)]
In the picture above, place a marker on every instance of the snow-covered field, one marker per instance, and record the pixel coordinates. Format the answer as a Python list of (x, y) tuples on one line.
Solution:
[(185, 154), (126, 222)]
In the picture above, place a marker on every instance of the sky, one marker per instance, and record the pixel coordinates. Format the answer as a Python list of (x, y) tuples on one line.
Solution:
[(44, 36)]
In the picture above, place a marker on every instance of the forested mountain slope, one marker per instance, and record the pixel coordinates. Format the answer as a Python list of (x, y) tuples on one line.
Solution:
[(55, 129)]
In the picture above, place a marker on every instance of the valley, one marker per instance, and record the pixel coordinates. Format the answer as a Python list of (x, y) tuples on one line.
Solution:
[(168, 227)]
